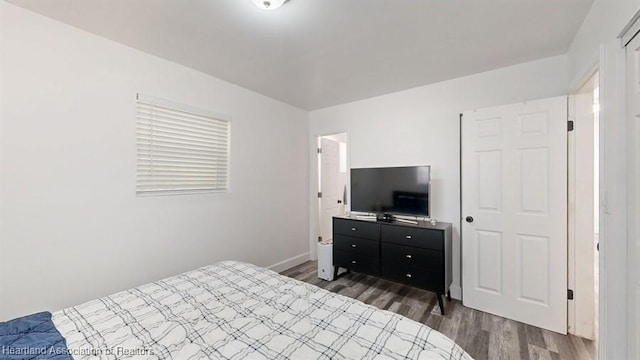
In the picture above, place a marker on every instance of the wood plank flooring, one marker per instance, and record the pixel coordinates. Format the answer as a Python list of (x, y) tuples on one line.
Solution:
[(482, 335)]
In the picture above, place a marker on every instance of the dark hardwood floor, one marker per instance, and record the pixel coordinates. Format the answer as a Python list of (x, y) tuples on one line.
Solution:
[(482, 335)]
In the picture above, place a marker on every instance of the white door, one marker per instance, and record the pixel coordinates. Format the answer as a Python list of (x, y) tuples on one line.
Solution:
[(633, 111), (331, 200), (514, 209)]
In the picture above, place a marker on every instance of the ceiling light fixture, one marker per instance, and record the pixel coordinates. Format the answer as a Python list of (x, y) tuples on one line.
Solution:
[(269, 4)]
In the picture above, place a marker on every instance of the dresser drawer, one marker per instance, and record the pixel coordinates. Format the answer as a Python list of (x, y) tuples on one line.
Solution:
[(429, 279), (355, 228), (355, 262), (413, 236), (356, 245), (407, 255)]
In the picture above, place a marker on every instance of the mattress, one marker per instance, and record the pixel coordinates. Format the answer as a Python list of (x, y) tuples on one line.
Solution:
[(235, 310)]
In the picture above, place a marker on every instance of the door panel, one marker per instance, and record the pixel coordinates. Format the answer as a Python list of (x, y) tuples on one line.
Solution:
[(514, 179), (534, 180), (489, 190), (533, 268), (489, 261)]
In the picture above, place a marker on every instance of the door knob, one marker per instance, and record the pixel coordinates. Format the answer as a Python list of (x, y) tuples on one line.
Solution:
[(469, 219)]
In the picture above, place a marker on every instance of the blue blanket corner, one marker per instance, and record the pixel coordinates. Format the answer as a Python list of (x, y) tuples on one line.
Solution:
[(32, 337)]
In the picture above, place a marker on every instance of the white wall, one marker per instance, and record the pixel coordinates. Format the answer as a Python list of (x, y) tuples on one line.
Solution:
[(72, 228), (421, 126), (603, 23)]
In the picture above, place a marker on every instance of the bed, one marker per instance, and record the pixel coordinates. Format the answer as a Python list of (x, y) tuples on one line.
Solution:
[(235, 310)]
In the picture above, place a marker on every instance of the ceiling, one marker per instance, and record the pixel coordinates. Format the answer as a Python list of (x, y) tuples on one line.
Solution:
[(317, 53)]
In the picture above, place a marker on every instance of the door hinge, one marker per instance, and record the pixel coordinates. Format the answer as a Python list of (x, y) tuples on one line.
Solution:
[(570, 125), (569, 294), (319, 151), (319, 194)]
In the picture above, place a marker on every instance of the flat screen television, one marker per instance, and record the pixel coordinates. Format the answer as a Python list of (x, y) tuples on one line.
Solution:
[(391, 190)]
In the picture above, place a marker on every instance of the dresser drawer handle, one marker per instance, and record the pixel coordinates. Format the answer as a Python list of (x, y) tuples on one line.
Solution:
[(408, 256), (354, 245), (353, 229), (353, 261), (408, 275), (408, 236)]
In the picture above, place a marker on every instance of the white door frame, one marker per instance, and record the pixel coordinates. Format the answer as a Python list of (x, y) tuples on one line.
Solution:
[(581, 261), (314, 214), (613, 334), (630, 37)]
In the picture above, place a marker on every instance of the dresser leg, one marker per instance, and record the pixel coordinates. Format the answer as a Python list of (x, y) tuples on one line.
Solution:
[(441, 304), (335, 272), (449, 295)]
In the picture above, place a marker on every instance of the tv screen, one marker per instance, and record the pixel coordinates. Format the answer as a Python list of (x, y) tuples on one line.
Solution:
[(391, 190)]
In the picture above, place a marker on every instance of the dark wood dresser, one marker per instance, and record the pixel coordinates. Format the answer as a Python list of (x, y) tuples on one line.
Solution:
[(416, 255)]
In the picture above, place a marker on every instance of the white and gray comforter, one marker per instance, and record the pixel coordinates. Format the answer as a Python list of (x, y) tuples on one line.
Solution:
[(234, 310)]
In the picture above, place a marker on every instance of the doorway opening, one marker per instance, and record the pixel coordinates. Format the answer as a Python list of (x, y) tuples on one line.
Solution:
[(584, 183), (333, 177)]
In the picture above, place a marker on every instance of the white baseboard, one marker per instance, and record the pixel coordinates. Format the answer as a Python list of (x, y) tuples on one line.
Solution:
[(456, 292), (289, 263)]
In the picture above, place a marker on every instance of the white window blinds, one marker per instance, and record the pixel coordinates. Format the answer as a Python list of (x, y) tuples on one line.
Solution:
[(180, 149)]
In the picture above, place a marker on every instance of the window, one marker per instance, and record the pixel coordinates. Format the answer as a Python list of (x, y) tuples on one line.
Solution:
[(180, 149)]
